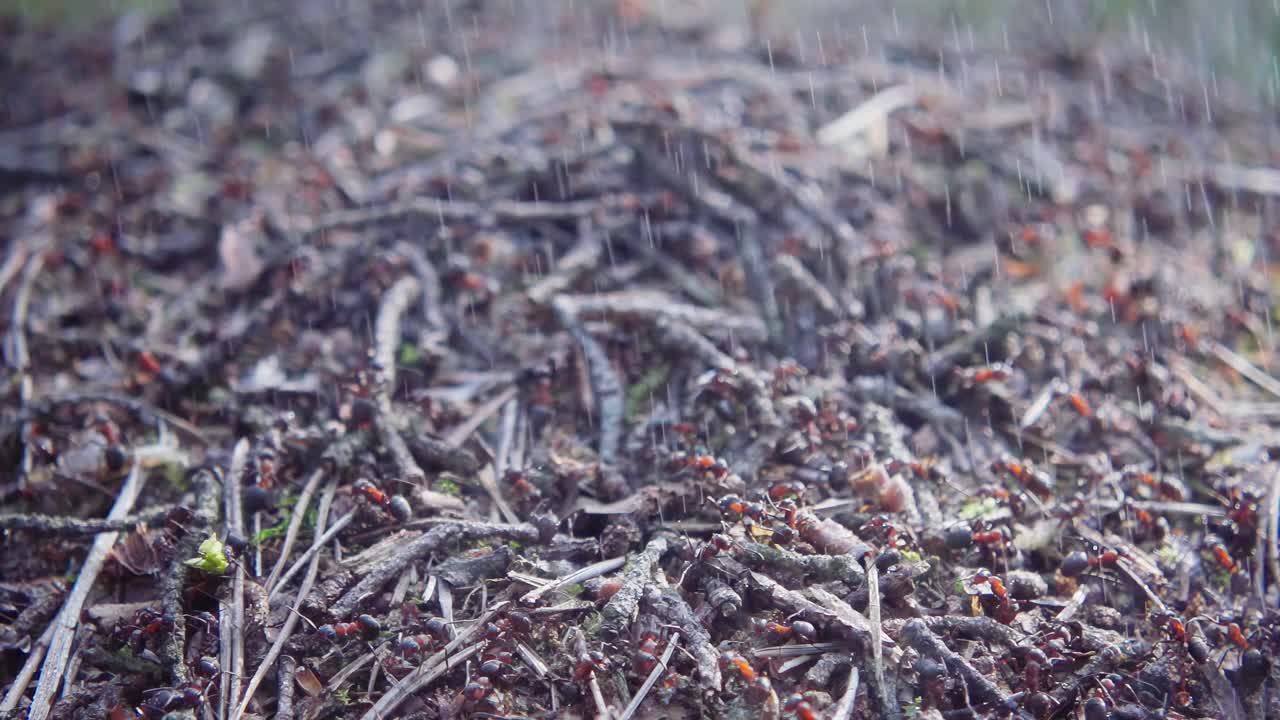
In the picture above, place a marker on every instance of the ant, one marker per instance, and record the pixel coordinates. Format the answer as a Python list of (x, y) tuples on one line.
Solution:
[(146, 623), (798, 706), (1079, 561), (437, 632), (365, 626), (397, 505), (800, 630), (1032, 479), (995, 372), (993, 596)]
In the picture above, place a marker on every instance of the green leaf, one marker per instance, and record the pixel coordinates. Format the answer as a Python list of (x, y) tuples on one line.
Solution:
[(212, 558)]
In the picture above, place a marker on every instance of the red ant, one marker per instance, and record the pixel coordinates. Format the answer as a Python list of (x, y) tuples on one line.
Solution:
[(1029, 477), (588, 664), (995, 372), (1079, 561), (645, 657), (366, 626), (780, 491), (1223, 557), (738, 663), (478, 695), (524, 490), (1000, 606), (1080, 405), (801, 630), (146, 623), (397, 505), (800, 707)]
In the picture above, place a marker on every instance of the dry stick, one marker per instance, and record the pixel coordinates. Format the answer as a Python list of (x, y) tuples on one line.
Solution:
[(1247, 369), (296, 515), (604, 383), (292, 620), (844, 709), (28, 671), (298, 564), (618, 614), (672, 608), (918, 635), (68, 618), (500, 212), (61, 526), (16, 351), (594, 570), (1273, 527), (173, 646), (459, 434), (231, 634), (489, 482), (420, 547), (888, 700), (433, 667), (650, 681), (387, 341), (284, 679)]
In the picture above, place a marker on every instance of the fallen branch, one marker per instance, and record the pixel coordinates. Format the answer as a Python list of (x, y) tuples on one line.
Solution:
[(231, 615), (618, 614), (604, 383), (68, 619), (291, 621), (433, 667), (296, 515), (671, 608), (916, 634), (438, 537), (594, 570)]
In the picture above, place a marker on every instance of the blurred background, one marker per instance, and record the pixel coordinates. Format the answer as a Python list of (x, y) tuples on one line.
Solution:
[(1238, 39)]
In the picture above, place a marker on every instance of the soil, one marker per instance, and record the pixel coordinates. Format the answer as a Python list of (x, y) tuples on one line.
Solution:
[(476, 361)]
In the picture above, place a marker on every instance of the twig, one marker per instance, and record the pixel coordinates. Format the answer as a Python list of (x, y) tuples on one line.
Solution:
[(433, 667), (386, 334), (820, 568), (418, 548), (16, 348), (918, 635), (1273, 527), (298, 564), (490, 484), (866, 114), (231, 629), (650, 681), (61, 526), (604, 379), (498, 213), (284, 680), (580, 647), (459, 434), (1247, 369), (291, 621), (533, 597), (668, 605), (29, 668), (652, 305), (68, 619), (618, 614), (205, 514), (888, 700), (844, 709), (296, 515)]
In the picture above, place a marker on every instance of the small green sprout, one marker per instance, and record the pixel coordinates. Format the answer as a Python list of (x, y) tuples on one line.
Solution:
[(212, 559)]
